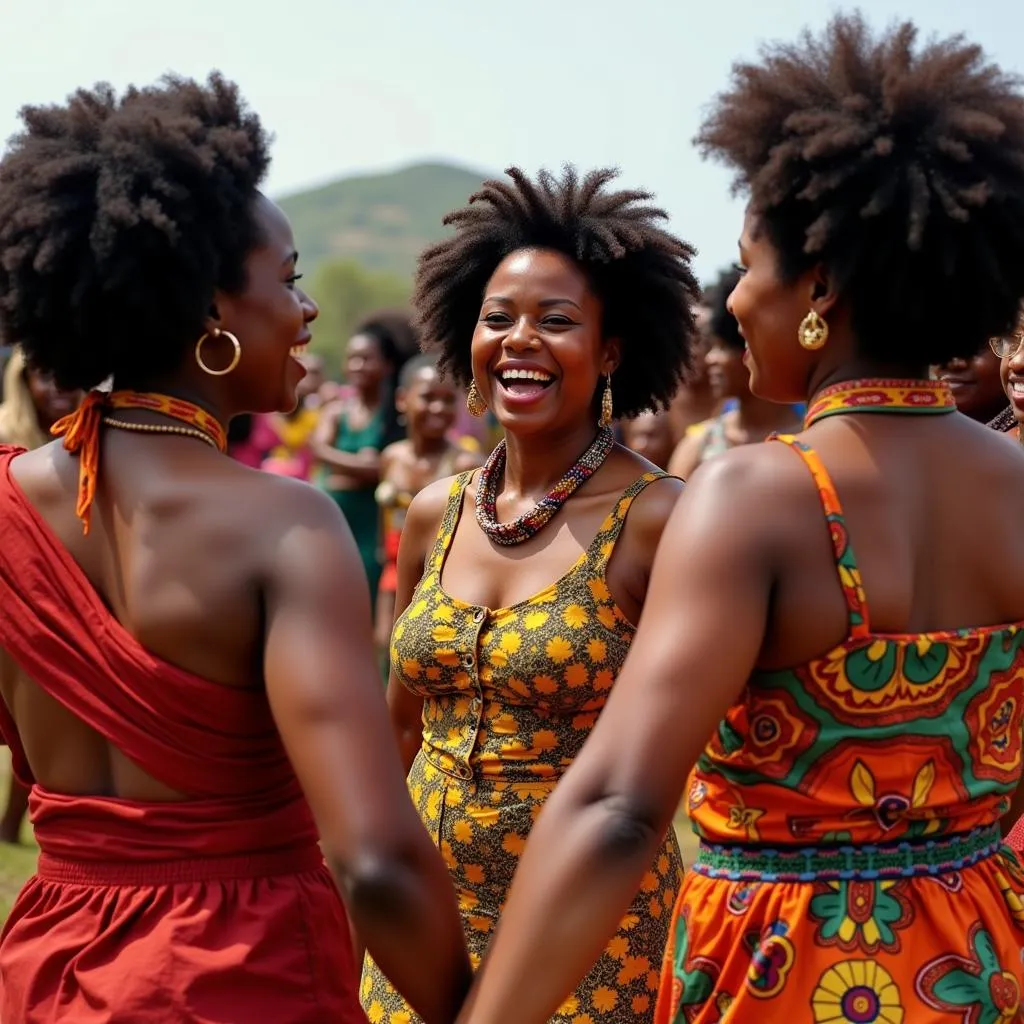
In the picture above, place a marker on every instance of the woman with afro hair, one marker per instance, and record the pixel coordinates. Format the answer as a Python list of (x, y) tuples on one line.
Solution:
[(831, 657), (185, 643), (561, 303)]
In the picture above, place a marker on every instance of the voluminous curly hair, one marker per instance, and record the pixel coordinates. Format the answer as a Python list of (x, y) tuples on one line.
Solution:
[(118, 220), (900, 169), (640, 272)]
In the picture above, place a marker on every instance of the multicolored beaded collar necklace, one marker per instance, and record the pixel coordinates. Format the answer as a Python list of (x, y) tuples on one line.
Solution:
[(529, 523), (81, 432), (915, 397)]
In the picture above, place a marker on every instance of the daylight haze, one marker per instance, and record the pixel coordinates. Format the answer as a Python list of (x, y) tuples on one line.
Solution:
[(349, 87)]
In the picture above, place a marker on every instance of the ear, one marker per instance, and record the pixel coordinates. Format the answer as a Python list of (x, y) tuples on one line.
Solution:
[(612, 356), (823, 295), (213, 322)]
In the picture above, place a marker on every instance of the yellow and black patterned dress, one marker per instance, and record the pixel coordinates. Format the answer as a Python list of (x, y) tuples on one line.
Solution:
[(510, 696)]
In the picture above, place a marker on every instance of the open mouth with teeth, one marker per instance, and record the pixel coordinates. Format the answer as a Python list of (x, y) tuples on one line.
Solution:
[(525, 383), (298, 350)]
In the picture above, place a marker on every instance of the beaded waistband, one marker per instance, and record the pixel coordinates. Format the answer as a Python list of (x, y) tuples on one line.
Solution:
[(836, 863)]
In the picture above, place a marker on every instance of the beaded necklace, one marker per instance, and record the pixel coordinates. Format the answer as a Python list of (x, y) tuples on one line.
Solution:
[(81, 432), (916, 397), (529, 523)]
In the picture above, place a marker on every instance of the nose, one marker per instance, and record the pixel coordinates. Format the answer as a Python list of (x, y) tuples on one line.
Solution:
[(310, 310), (1016, 361), (521, 335), (713, 356)]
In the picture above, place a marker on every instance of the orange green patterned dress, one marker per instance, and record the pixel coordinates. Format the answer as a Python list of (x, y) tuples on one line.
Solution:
[(851, 869), (509, 697)]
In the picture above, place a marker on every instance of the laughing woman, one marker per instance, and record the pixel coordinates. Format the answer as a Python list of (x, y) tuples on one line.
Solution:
[(854, 722), (560, 304)]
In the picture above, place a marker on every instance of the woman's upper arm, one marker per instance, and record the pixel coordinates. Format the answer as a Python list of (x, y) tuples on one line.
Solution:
[(327, 424), (323, 683), (696, 645)]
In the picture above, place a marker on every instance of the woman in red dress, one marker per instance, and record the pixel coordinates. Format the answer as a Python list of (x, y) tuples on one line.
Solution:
[(186, 643)]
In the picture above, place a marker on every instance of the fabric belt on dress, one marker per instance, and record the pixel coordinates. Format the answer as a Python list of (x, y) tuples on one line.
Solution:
[(293, 861), (906, 859)]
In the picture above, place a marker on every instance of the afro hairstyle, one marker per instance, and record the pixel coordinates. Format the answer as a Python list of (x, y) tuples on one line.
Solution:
[(119, 218), (640, 272), (896, 167)]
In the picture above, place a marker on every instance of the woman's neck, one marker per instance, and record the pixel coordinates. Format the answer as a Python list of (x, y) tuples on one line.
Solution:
[(856, 369), (370, 396), (424, 447), (535, 463), (756, 414)]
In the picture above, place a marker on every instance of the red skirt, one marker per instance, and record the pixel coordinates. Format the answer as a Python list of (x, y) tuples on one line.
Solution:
[(220, 940)]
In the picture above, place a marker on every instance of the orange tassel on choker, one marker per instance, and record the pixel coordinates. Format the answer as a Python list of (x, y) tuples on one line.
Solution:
[(81, 432)]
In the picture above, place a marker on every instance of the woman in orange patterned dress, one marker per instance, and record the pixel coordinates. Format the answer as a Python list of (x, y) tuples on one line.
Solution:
[(850, 726), (561, 303)]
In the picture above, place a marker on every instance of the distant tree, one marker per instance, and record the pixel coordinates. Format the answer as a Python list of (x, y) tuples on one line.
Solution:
[(346, 292)]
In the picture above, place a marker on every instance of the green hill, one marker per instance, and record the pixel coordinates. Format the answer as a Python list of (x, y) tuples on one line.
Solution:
[(380, 220)]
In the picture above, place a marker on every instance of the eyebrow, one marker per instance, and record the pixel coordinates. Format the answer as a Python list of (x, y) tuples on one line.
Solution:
[(544, 303)]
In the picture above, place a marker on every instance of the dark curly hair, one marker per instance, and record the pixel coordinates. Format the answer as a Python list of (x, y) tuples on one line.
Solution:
[(722, 324), (898, 168), (118, 220), (640, 272)]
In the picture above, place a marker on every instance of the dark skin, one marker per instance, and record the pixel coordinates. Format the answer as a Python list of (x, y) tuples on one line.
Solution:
[(694, 402), (538, 309), (428, 405), (51, 403), (976, 385), (752, 420), (275, 601), (366, 370), (650, 435), (754, 589)]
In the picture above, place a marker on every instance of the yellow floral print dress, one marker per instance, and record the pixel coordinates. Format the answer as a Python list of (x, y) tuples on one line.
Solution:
[(510, 696)]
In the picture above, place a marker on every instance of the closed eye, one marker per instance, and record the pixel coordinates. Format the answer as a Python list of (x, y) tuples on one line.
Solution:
[(497, 318)]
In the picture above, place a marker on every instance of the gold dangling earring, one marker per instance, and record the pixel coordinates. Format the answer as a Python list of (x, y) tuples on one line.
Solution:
[(813, 332), (607, 409), (235, 358), (475, 404)]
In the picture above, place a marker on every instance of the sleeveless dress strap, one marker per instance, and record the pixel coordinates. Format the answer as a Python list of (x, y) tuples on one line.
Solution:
[(449, 520), (842, 549), (603, 544)]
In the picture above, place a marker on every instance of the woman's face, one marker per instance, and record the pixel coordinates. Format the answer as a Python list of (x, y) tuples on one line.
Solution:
[(270, 318), (769, 311), (538, 351), (51, 402), (365, 365), (1011, 373), (429, 404), (976, 384), (727, 371), (650, 435)]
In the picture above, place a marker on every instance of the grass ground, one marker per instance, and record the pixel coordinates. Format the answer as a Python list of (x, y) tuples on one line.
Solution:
[(18, 862)]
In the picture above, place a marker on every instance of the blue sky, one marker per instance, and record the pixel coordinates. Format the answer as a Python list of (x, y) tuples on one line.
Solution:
[(349, 86)]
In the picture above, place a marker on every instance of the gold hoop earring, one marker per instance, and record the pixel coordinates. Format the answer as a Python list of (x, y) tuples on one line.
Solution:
[(235, 358), (607, 406), (475, 404), (813, 332)]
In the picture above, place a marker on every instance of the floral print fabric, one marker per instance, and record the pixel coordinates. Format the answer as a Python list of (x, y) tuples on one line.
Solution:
[(509, 697)]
